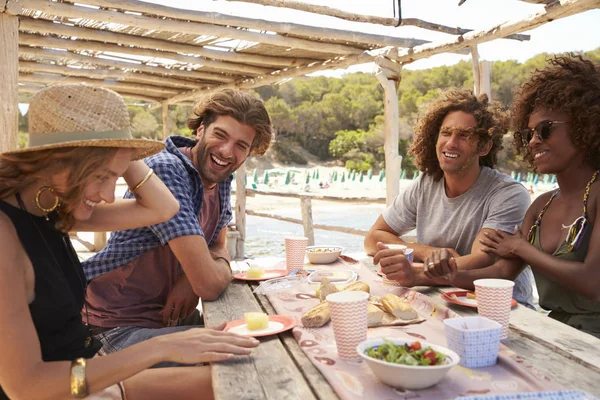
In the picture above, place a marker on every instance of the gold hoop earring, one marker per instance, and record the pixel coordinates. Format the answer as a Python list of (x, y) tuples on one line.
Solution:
[(39, 194)]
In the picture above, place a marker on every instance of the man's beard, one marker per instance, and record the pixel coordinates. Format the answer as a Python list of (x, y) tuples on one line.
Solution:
[(203, 159)]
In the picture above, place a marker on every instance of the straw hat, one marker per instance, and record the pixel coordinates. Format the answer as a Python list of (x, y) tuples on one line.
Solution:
[(79, 116)]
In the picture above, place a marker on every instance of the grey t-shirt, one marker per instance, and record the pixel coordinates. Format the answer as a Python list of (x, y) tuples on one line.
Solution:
[(495, 201)]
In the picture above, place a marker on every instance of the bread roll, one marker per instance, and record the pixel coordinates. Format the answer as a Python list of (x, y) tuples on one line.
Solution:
[(317, 316), (374, 314), (398, 307), (326, 289), (357, 286)]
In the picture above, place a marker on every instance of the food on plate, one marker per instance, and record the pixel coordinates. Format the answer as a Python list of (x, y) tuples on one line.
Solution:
[(317, 316), (323, 250), (375, 314), (356, 286), (398, 307), (471, 296), (256, 320), (407, 354), (255, 272), (326, 288)]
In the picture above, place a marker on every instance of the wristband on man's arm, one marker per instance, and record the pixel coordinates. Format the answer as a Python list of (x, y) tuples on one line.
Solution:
[(224, 259)]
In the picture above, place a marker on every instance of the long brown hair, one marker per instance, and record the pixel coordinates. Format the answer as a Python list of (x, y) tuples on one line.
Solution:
[(243, 107), (491, 126), (570, 84), (18, 171)]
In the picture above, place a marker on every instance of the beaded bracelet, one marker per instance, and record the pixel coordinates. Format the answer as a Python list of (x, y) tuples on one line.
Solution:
[(139, 185)]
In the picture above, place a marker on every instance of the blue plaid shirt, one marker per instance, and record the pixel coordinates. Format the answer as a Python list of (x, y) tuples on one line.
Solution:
[(181, 177)]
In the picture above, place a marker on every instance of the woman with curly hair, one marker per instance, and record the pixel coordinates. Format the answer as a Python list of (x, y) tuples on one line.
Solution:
[(455, 201), (557, 122)]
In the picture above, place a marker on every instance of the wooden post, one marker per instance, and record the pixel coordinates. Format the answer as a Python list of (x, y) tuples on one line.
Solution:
[(240, 210), (99, 240), (390, 80), (9, 72), (476, 72), (485, 69), (307, 221), (165, 120)]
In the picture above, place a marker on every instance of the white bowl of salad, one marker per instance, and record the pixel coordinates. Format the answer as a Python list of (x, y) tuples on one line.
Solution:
[(407, 364)]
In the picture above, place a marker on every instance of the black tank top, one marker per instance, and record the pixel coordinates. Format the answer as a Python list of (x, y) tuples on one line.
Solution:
[(59, 295)]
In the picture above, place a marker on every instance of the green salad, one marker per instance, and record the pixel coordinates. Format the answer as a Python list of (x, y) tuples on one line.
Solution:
[(406, 354)]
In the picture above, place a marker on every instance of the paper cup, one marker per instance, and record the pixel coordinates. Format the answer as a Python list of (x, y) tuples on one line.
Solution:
[(408, 253), (349, 320), (295, 249), (494, 297), (475, 339)]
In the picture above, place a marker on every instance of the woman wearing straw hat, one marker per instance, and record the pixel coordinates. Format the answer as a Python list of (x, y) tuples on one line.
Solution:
[(79, 145)]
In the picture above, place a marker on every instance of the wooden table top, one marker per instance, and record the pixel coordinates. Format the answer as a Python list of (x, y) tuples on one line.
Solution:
[(278, 369)]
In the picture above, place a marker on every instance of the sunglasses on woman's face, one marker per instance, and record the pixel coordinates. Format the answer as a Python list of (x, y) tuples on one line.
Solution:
[(541, 130)]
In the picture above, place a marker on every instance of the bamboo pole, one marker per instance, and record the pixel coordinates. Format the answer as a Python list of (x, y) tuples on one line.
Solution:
[(85, 45), (554, 11), (253, 23), (370, 19), (152, 91), (194, 28), (307, 219), (476, 74), (9, 71), (393, 161), (63, 55), (49, 28), (121, 76), (240, 210)]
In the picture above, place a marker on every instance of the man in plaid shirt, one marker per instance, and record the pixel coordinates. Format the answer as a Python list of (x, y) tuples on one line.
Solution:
[(147, 281)]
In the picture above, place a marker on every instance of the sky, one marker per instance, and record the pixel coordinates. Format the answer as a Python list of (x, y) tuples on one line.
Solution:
[(579, 32)]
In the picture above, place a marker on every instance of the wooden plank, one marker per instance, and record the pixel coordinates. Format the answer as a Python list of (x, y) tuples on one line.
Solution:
[(9, 72), (269, 373), (307, 220), (485, 80), (179, 26), (240, 211), (317, 381), (378, 200), (476, 72)]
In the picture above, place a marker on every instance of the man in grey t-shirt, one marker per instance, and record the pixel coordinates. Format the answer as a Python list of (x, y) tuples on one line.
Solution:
[(454, 202)]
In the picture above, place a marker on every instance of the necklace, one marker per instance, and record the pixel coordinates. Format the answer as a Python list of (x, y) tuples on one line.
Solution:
[(70, 252)]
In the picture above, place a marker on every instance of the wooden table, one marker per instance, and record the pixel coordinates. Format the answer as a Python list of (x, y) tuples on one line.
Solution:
[(278, 369)]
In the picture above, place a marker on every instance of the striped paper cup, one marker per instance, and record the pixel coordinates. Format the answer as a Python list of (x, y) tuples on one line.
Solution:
[(295, 249), (349, 319), (494, 297)]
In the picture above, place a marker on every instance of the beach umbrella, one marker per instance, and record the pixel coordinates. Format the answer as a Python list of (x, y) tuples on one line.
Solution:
[(255, 176), (317, 172), (535, 179), (382, 175), (370, 173), (512, 174), (553, 180), (545, 178), (233, 174), (403, 174), (518, 178), (288, 178), (360, 178), (416, 174), (343, 177), (307, 178), (266, 180), (334, 176)]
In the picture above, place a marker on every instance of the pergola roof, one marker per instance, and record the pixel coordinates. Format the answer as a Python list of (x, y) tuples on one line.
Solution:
[(169, 55)]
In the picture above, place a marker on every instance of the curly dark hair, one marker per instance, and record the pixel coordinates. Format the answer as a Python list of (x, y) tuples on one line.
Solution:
[(491, 125), (243, 107), (570, 84)]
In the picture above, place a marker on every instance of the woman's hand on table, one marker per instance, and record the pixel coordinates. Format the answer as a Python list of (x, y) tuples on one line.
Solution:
[(441, 267), (203, 345), (503, 244), (394, 265)]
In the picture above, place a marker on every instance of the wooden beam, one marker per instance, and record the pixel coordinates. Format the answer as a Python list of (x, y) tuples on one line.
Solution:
[(485, 73), (194, 28), (558, 10), (393, 161), (9, 71), (47, 27), (307, 219), (351, 231), (370, 19), (88, 60), (476, 73), (165, 120), (152, 91), (240, 211), (85, 45), (252, 23), (117, 74)]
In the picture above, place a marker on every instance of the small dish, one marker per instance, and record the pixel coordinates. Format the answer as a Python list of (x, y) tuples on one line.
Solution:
[(323, 254), (335, 276), (460, 298), (269, 274), (277, 324)]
